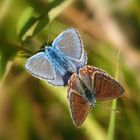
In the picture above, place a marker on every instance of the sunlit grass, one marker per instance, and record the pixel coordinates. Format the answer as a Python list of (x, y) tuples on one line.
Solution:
[(111, 129)]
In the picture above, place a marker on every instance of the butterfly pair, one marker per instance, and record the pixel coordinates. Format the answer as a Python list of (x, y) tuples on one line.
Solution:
[(65, 57)]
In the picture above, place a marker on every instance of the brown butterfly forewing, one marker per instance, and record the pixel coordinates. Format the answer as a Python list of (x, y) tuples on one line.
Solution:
[(106, 87)]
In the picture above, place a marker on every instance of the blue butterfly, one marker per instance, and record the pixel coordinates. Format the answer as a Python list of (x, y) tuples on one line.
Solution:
[(57, 63)]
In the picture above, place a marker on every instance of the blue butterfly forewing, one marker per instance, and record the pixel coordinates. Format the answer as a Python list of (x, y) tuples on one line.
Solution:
[(40, 67)]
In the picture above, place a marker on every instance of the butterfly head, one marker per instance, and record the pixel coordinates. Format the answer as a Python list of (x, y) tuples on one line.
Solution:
[(51, 52), (47, 49)]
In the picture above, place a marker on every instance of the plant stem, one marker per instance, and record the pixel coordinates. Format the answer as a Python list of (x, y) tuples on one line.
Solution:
[(8, 67), (111, 129), (110, 135)]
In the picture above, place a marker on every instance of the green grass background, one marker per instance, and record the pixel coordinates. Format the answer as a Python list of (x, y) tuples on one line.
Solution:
[(31, 109)]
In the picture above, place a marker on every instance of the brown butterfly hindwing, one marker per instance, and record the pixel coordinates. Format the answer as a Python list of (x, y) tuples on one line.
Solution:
[(79, 108)]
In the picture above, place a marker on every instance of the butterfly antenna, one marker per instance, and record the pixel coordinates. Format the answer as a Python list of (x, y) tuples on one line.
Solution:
[(108, 108), (41, 49), (49, 32)]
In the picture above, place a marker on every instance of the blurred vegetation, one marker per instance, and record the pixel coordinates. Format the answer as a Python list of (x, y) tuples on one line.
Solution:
[(31, 109)]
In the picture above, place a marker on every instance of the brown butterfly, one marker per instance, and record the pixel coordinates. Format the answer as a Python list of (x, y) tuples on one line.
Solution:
[(90, 85)]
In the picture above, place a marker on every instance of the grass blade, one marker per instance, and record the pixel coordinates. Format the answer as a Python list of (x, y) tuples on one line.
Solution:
[(111, 129)]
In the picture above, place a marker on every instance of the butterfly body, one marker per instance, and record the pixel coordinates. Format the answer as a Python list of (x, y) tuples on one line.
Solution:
[(86, 92), (57, 59), (87, 87), (64, 57)]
